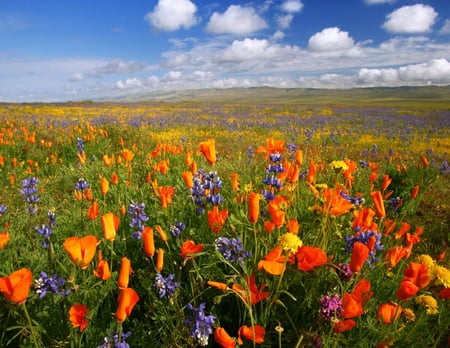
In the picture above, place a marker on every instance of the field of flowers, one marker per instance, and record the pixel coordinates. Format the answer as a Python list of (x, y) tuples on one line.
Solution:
[(224, 225)]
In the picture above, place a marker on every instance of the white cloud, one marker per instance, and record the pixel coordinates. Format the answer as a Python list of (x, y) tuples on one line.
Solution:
[(446, 27), (77, 77), (412, 19), (117, 66), (292, 6), (376, 2), (257, 50), (329, 40), (129, 83), (284, 21), (236, 20), (171, 15), (436, 71)]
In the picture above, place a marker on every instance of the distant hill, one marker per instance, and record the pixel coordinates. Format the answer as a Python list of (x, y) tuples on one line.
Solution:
[(376, 95)]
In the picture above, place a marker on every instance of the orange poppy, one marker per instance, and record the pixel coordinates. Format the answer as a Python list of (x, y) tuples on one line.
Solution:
[(104, 186), (299, 157), (114, 178), (394, 255), (108, 161), (188, 179), (404, 228), (277, 215), (223, 339), (218, 285), (364, 220), (255, 334), (4, 239), (415, 191), (127, 155), (293, 226), (166, 194), (234, 181), (360, 254), (388, 312), (81, 250), (273, 263), (272, 146), (418, 274), (216, 219), (127, 299), (88, 194), (389, 226), (77, 316), (253, 207), (352, 302), (189, 249), (255, 292), (148, 241), (124, 273), (110, 225), (378, 203), (311, 176), (344, 325), (16, 286), (385, 182), (335, 204), (407, 290), (208, 149), (309, 257), (161, 233), (93, 211), (102, 270), (160, 260)]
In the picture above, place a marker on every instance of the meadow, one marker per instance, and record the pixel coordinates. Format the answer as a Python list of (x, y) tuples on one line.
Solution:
[(219, 224)]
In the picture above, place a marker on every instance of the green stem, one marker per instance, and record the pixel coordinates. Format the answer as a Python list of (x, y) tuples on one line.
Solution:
[(30, 323)]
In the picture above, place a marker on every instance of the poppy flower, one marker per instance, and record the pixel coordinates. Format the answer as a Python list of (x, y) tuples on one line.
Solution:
[(273, 263), (110, 225), (160, 260), (208, 149), (255, 292), (81, 250), (188, 179), (415, 191), (127, 299), (124, 273), (16, 286), (107, 161), (352, 302), (234, 177), (77, 316), (311, 176), (364, 220), (388, 312), (394, 255), (378, 203), (223, 339), (189, 248), (161, 233), (444, 294), (309, 257), (385, 182), (114, 179), (360, 254), (404, 228), (166, 194), (255, 334), (335, 204), (102, 270), (104, 186), (253, 207), (299, 157), (344, 325), (277, 215), (218, 285), (293, 226), (4, 239), (216, 219), (93, 211), (148, 241), (127, 155), (407, 290), (389, 226)]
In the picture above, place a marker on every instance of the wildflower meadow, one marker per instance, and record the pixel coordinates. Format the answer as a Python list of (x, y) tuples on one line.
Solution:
[(224, 225)]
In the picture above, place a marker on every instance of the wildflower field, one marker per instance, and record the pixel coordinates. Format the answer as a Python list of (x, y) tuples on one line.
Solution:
[(224, 225)]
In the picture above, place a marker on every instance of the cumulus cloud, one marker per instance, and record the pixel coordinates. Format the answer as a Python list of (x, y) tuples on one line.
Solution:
[(329, 40), (171, 15), (292, 6), (117, 66), (256, 49), (436, 71), (237, 20), (129, 83), (412, 19)]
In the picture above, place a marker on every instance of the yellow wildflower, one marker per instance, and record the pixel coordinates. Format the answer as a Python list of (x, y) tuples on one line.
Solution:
[(442, 275), (290, 242), (425, 259), (409, 314), (429, 303), (339, 166)]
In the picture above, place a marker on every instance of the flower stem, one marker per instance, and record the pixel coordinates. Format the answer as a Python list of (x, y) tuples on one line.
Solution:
[(30, 323)]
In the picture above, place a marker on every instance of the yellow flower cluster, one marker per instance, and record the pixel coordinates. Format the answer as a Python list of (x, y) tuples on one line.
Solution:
[(439, 274), (339, 166), (290, 242), (429, 303)]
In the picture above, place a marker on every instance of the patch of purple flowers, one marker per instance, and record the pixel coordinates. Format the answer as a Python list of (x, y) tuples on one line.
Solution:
[(330, 307), (200, 325), (113, 340), (165, 286), (52, 283), (138, 218), (231, 249)]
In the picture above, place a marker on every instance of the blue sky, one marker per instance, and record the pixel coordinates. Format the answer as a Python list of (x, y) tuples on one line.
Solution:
[(57, 50)]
